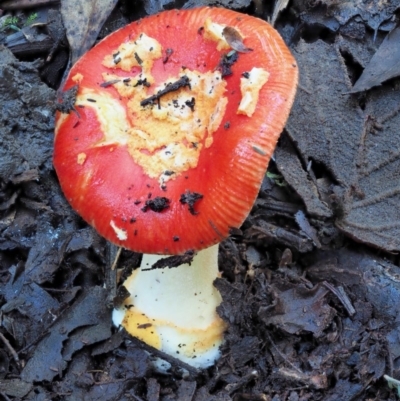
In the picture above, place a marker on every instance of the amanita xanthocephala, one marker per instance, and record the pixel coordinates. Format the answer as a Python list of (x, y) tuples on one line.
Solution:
[(175, 120)]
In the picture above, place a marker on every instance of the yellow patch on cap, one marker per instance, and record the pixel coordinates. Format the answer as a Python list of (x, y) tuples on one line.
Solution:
[(140, 52), (169, 135), (81, 158), (166, 136), (250, 87), (213, 31), (77, 78)]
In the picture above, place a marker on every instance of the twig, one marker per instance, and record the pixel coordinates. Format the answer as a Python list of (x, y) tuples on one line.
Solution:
[(4, 395), (282, 355), (114, 265), (171, 87), (10, 348), (342, 296), (389, 358), (23, 4), (231, 388)]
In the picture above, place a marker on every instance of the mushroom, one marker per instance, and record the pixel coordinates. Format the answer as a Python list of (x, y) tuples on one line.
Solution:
[(175, 119)]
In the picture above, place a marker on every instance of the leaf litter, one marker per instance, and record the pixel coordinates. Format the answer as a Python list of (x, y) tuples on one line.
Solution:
[(374, 13), (303, 324), (383, 65), (83, 21), (354, 149)]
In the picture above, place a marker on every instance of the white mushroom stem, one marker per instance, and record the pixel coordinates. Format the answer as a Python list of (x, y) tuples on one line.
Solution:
[(174, 309)]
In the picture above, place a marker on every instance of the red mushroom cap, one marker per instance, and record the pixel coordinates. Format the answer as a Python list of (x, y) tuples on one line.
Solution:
[(156, 89)]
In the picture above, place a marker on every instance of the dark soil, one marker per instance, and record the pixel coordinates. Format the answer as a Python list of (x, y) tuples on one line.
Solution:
[(310, 284)]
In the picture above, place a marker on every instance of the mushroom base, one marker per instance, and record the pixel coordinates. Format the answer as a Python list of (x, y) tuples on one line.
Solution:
[(174, 309)]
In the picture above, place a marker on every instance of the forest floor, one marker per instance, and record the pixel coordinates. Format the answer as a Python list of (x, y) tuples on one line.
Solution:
[(311, 281)]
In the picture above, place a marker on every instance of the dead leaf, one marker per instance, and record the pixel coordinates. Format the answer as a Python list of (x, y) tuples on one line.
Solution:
[(87, 321), (186, 390), (385, 64), (326, 123), (23, 4), (356, 150), (272, 233), (373, 12), (47, 252), (299, 309), (361, 48), (368, 277), (291, 168), (306, 228), (83, 21), (233, 4), (15, 387), (31, 301), (244, 350), (155, 6), (280, 5), (235, 40), (344, 390), (371, 204), (19, 88)]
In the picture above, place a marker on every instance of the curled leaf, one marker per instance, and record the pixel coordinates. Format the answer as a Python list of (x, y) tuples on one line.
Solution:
[(235, 40)]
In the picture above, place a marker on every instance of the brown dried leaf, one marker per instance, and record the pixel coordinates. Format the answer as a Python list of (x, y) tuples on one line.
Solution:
[(385, 64), (244, 350), (24, 4), (15, 387), (372, 202), (90, 316), (373, 12), (372, 280), (326, 123), (280, 5), (232, 4), (291, 168), (344, 390), (358, 151), (83, 21), (306, 228), (299, 309), (235, 40), (155, 6), (19, 88)]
